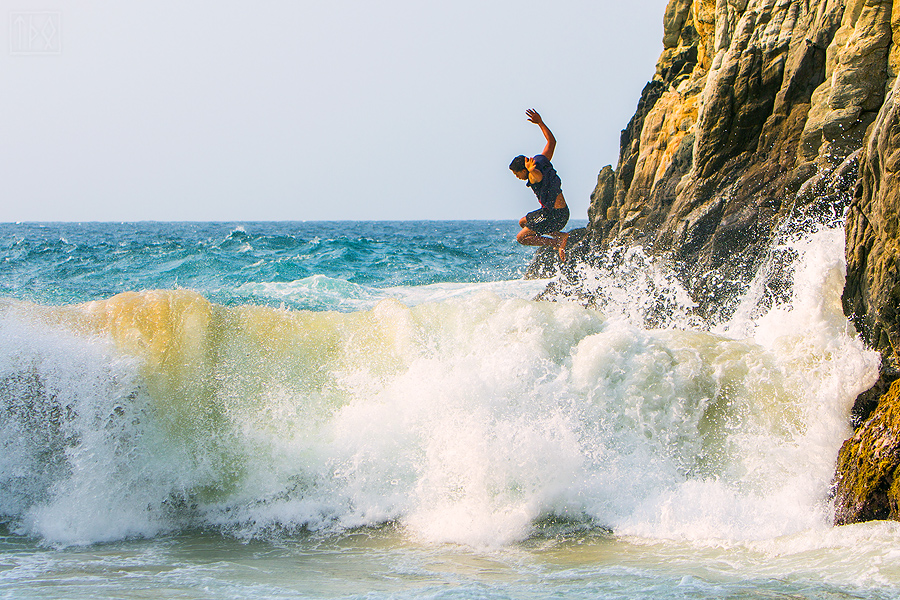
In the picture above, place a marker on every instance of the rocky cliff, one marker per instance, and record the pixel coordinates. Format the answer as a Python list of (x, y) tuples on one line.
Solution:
[(872, 293), (765, 117), (868, 476), (757, 112)]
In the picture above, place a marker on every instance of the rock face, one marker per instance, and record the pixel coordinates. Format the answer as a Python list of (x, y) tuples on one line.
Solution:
[(867, 483), (757, 111), (872, 292), (763, 116)]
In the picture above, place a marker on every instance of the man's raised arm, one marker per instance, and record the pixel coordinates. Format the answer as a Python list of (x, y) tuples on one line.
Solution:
[(535, 118)]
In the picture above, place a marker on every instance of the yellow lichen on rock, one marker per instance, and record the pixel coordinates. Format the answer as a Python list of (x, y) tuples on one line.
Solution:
[(668, 123), (869, 466)]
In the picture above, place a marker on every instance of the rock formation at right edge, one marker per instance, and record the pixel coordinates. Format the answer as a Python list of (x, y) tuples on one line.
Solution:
[(872, 292), (868, 474)]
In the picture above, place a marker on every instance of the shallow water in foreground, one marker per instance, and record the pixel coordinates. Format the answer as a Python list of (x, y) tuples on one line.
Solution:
[(381, 411), (384, 563)]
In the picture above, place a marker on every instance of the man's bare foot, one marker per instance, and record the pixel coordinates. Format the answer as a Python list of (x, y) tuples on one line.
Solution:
[(563, 238)]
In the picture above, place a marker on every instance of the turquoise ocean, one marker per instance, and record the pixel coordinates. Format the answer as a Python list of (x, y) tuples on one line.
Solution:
[(383, 410)]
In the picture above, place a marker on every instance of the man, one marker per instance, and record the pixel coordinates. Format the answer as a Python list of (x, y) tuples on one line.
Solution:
[(553, 214)]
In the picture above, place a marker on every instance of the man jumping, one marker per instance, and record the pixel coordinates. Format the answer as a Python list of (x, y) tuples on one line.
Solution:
[(553, 214)]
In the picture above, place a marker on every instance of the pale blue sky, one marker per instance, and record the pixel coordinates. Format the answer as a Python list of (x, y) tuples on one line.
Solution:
[(297, 110)]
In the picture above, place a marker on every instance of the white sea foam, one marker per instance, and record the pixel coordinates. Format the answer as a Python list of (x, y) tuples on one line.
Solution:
[(464, 413)]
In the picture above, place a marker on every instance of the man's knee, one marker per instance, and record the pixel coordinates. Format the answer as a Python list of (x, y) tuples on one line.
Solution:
[(523, 236)]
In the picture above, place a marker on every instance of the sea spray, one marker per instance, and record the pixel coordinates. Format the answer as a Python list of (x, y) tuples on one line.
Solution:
[(464, 414), (787, 368), (73, 422), (625, 282)]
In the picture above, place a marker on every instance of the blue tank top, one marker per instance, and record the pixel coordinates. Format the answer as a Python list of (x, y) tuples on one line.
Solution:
[(550, 185)]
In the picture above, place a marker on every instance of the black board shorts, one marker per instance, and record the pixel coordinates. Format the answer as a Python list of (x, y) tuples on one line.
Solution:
[(547, 220)]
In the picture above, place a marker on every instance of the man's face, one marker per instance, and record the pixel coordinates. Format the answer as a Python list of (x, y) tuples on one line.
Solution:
[(523, 174)]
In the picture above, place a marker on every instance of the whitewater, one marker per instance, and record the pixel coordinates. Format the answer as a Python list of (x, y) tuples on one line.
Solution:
[(384, 410)]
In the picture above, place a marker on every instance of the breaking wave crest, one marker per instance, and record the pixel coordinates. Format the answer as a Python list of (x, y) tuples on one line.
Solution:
[(466, 418)]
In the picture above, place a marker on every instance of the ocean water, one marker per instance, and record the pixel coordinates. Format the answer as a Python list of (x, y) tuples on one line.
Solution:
[(382, 410)]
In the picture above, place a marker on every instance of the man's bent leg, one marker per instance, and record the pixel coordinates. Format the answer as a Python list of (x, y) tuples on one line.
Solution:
[(527, 237), (558, 240)]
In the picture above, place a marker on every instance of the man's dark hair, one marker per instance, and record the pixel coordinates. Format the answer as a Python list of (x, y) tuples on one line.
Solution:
[(517, 164)]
